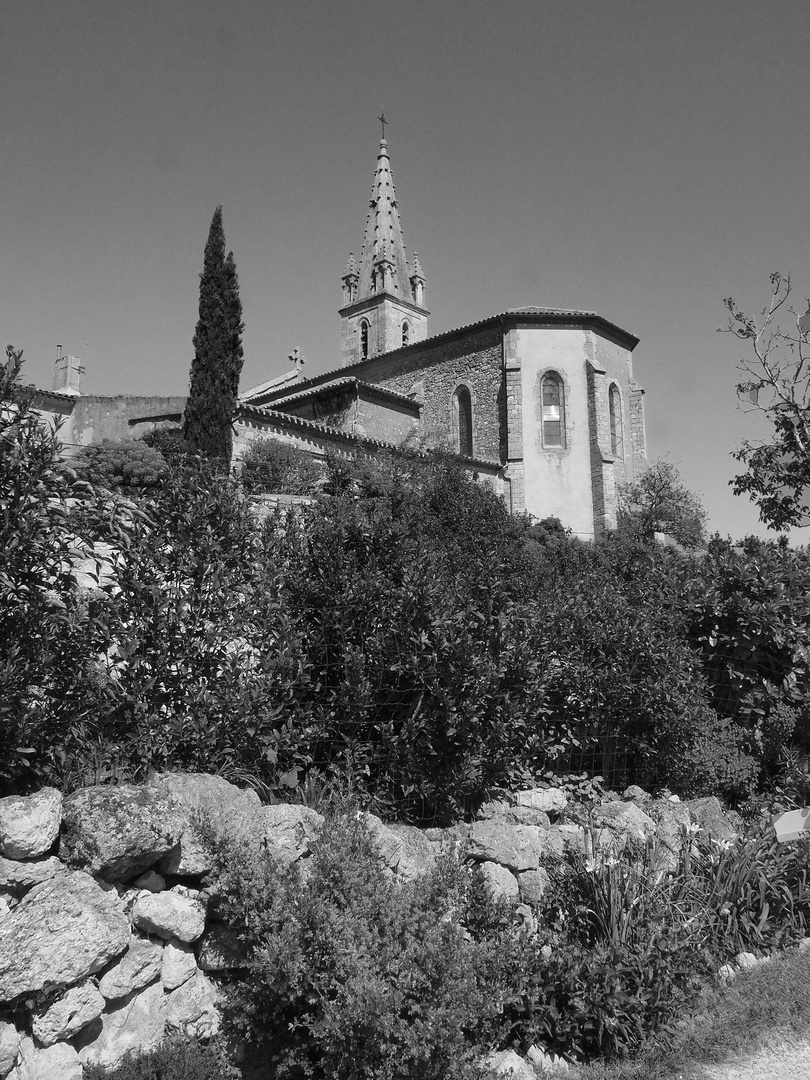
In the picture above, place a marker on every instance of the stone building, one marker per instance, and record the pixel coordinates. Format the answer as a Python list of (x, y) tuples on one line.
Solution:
[(540, 402)]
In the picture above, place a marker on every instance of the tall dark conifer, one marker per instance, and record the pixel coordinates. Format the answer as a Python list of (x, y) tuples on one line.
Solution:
[(218, 352)]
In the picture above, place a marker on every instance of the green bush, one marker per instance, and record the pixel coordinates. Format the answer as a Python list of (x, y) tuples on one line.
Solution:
[(353, 975), (277, 467), (121, 466), (175, 1059)]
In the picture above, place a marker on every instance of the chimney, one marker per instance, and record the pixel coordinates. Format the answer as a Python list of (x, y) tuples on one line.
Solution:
[(68, 373)]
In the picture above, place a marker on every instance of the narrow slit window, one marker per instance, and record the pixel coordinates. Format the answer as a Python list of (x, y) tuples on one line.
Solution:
[(364, 339), (406, 333), (553, 404), (616, 427), (463, 410)]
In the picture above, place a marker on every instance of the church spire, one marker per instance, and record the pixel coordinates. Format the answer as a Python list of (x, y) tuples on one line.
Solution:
[(383, 286)]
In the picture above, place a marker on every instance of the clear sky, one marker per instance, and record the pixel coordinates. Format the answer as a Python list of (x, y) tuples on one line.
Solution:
[(640, 158)]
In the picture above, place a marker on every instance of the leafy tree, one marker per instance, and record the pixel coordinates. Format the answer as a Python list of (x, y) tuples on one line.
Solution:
[(218, 352), (776, 384), (659, 501)]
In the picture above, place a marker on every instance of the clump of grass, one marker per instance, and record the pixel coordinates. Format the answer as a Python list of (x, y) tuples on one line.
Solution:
[(764, 1007)]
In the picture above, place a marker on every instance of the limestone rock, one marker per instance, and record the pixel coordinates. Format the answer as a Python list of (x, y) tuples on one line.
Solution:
[(417, 855), (624, 820), (57, 1062), (117, 832), (137, 1023), (151, 881), (139, 966), (520, 847), (291, 832), (192, 1008), (29, 824), (221, 950), (9, 1045), (174, 913), (61, 931), (671, 822), (66, 1016), (634, 793), (533, 885), (513, 812), (16, 876), (709, 814), (508, 1065), (745, 960), (500, 882), (550, 800), (197, 798), (179, 964)]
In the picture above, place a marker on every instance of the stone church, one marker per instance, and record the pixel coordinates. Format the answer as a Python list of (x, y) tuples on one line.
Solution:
[(539, 402)]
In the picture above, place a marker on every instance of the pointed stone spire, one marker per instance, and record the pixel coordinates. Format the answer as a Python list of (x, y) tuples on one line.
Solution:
[(383, 298), (383, 243)]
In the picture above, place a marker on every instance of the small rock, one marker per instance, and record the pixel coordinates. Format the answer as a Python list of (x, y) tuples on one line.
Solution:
[(66, 1016), (417, 855), (518, 847), (17, 876), (726, 973), (174, 913), (29, 824), (550, 800), (57, 1062), (500, 882), (179, 964), (804, 944), (192, 1008), (137, 1024), (139, 966), (625, 820), (745, 961), (533, 885), (508, 1065), (9, 1045), (634, 793), (708, 813), (151, 881)]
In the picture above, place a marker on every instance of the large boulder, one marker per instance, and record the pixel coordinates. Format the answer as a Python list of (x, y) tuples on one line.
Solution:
[(512, 812), (205, 803), (137, 1023), (672, 821), (57, 1062), (708, 814), (500, 883), (117, 832), (291, 832), (417, 855), (16, 876), (29, 824), (550, 800), (508, 1065), (519, 847), (65, 1017), (176, 913), (624, 821), (9, 1045), (61, 931), (533, 885), (179, 964), (192, 1008), (139, 966)]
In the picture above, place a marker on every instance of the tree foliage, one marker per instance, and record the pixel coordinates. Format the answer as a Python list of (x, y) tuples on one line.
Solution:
[(776, 384), (218, 354), (659, 501)]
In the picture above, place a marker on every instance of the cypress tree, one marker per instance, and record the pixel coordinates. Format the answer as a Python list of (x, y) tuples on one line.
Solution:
[(218, 352)]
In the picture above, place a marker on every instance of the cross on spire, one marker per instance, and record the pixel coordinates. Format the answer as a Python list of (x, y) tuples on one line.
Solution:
[(383, 121)]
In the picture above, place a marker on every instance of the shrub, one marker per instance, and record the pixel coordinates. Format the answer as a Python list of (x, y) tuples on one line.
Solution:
[(175, 1059), (352, 974), (272, 466), (121, 465)]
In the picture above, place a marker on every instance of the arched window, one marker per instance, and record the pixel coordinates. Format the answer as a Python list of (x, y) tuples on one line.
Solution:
[(616, 427), (406, 333), (553, 405), (364, 340), (462, 406)]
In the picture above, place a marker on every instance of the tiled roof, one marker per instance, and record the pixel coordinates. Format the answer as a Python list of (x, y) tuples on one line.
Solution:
[(375, 388), (289, 420)]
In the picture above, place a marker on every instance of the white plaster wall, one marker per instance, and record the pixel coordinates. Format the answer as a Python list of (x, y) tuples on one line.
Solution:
[(558, 481)]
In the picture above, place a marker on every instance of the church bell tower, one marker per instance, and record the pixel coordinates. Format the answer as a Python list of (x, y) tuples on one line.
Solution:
[(383, 296)]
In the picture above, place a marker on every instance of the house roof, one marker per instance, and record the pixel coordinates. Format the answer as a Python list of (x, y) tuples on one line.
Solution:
[(373, 389)]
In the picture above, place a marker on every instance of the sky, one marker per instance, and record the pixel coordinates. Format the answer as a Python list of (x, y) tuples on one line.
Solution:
[(639, 158)]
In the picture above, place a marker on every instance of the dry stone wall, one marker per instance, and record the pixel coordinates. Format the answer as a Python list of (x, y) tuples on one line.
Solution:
[(109, 938)]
